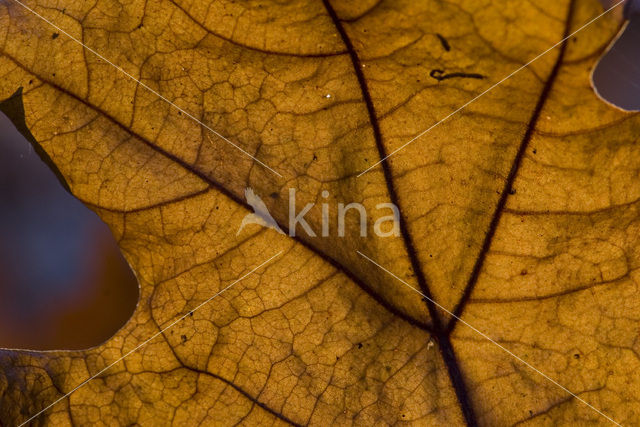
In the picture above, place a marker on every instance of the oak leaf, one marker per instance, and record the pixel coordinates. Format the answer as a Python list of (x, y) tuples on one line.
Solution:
[(519, 213)]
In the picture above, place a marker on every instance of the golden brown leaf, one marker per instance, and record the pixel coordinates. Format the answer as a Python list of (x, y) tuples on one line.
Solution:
[(520, 213)]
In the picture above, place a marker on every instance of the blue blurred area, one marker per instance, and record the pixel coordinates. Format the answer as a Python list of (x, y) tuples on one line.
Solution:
[(55, 255), (616, 77), (43, 229)]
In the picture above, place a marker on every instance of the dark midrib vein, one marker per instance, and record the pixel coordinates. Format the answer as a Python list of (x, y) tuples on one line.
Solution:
[(382, 151), (513, 172), (332, 261), (444, 344)]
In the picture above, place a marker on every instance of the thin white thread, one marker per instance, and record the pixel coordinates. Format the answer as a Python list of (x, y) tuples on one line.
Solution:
[(147, 341), (494, 342), (146, 87), (489, 89)]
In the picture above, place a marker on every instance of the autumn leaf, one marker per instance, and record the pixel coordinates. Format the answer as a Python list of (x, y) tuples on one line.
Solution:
[(519, 214)]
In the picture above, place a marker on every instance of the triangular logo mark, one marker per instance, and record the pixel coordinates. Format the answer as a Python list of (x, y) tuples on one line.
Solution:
[(260, 215)]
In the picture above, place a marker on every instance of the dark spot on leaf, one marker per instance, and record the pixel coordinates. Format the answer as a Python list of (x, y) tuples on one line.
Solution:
[(444, 42), (440, 75), (54, 36), (359, 345), (183, 338)]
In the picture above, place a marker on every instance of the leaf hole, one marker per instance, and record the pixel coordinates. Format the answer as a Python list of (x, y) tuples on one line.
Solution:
[(63, 281), (616, 76)]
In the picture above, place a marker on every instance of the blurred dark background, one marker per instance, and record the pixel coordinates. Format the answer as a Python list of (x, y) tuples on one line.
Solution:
[(63, 282), (616, 78)]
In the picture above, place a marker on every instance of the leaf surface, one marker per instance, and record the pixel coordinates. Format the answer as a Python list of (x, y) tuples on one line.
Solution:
[(519, 214)]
